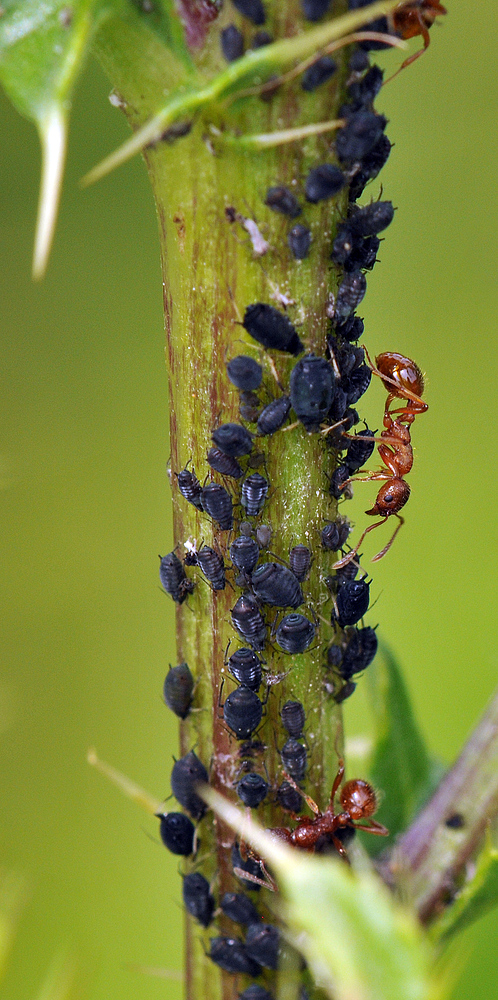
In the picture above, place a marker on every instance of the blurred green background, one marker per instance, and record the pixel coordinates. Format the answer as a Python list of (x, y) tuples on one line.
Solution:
[(86, 504)]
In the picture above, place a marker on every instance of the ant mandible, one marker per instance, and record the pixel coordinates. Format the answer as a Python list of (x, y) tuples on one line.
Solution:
[(403, 380), (412, 18)]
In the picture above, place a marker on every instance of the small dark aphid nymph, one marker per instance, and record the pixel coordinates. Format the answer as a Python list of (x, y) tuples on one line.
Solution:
[(335, 535), (280, 199), (245, 666), (174, 579), (360, 651), (299, 240), (338, 478), (255, 992), (289, 797), (300, 561), (244, 553), (177, 690), (198, 899), (230, 954), (293, 718), (249, 622), (318, 73), (239, 908), (245, 373), (243, 712), (233, 440), (252, 790), (224, 464), (273, 416), (312, 387), (252, 9), (271, 328), (254, 491), (324, 182), (212, 565), (190, 487), (294, 758), (313, 10), (359, 136), (350, 293), (356, 384), (260, 39), (187, 772), (277, 586), (232, 43), (263, 535), (177, 833), (295, 633), (352, 602), (370, 220), (262, 944), (217, 502)]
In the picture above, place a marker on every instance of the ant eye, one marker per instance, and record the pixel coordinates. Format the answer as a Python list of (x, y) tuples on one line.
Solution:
[(388, 498)]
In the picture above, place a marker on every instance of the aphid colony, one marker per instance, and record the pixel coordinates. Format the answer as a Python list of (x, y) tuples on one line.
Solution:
[(272, 614)]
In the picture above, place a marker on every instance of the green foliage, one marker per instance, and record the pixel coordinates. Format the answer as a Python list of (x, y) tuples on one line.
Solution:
[(401, 762), (479, 895)]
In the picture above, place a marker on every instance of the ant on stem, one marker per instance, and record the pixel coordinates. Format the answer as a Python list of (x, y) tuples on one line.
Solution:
[(403, 380), (412, 18)]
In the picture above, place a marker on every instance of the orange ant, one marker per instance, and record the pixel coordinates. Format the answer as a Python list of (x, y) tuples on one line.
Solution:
[(412, 18), (358, 801), (403, 380)]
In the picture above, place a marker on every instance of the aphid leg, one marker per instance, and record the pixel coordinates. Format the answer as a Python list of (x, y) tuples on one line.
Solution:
[(350, 555), (388, 546)]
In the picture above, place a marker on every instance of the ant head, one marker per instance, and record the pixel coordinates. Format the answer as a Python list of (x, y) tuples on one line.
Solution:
[(391, 498), (358, 799)]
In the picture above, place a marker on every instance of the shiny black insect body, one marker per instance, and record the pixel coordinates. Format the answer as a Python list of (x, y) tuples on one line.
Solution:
[(217, 502), (252, 790), (224, 464), (252, 9), (271, 328), (233, 440), (299, 241), (177, 833), (356, 384), (359, 451), (253, 494), (280, 199), (245, 666), (295, 633), (277, 586), (351, 328), (212, 565), (190, 487), (273, 416), (289, 798), (350, 293), (319, 72), (300, 561), (239, 908), (187, 772), (371, 165), (360, 134), (231, 955), (362, 93), (345, 692), (359, 652), (244, 553), (338, 478), (335, 535), (178, 688), (293, 718), (352, 602), (323, 182), (242, 712), (294, 758), (174, 579), (312, 387), (370, 220), (232, 43), (249, 622), (262, 944), (198, 898), (245, 373)]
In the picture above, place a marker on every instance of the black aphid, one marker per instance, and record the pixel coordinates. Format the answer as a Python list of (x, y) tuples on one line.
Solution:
[(289, 798), (232, 43), (233, 440), (244, 372), (271, 328), (187, 772), (253, 495), (295, 633), (213, 567), (277, 586), (343, 244), (244, 553), (323, 182), (262, 944), (190, 487), (217, 502), (371, 165), (352, 602), (248, 865), (249, 407), (364, 255), (239, 908), (370, 220), (351, 328), (255, 992), (293, 718), (345, 692), (174, 579), (312, 387), (313, 10), (263, 535), (294, 759), (362, 93), (358, 61), (252, 9), (274, 415), (360, 651), (178, 688), (380, 25), (224, 464), (356, 384), (242, 712), (252, 790), (177, 833), (334, 535), (299, 240), (230, 954), (300, 561), (338, 480), (260, 39), (360, 134), (198, 899), (359, 451), (350, 293), (318, 73), (249, 622), (334, 656), (245, 666), (280, 199)]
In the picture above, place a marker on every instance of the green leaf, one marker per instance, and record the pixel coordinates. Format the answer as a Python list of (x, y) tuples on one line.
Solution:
[(479, 895), (400, 760)]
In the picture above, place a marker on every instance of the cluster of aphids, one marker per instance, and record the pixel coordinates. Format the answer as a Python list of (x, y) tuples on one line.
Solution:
[(322, 394)]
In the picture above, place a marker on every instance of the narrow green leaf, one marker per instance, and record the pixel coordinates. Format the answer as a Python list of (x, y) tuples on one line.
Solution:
[(400, 760), (478, 896)]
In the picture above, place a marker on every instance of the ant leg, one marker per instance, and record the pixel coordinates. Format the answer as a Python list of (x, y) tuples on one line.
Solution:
[(373, 827), (403, 393), (340, 848), (337, 781), (247, 877), (312, 804), (350, 556), (388, 546)]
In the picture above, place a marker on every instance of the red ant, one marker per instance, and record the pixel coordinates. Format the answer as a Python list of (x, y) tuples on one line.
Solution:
[(358, 801), (412, 18), (403, 380)]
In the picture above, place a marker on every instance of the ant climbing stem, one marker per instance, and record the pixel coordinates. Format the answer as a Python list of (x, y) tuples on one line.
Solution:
[(413, 18)]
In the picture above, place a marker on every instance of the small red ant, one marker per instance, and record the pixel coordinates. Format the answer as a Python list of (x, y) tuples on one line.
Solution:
[(358, 801), (412, 18), (403, 380)]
